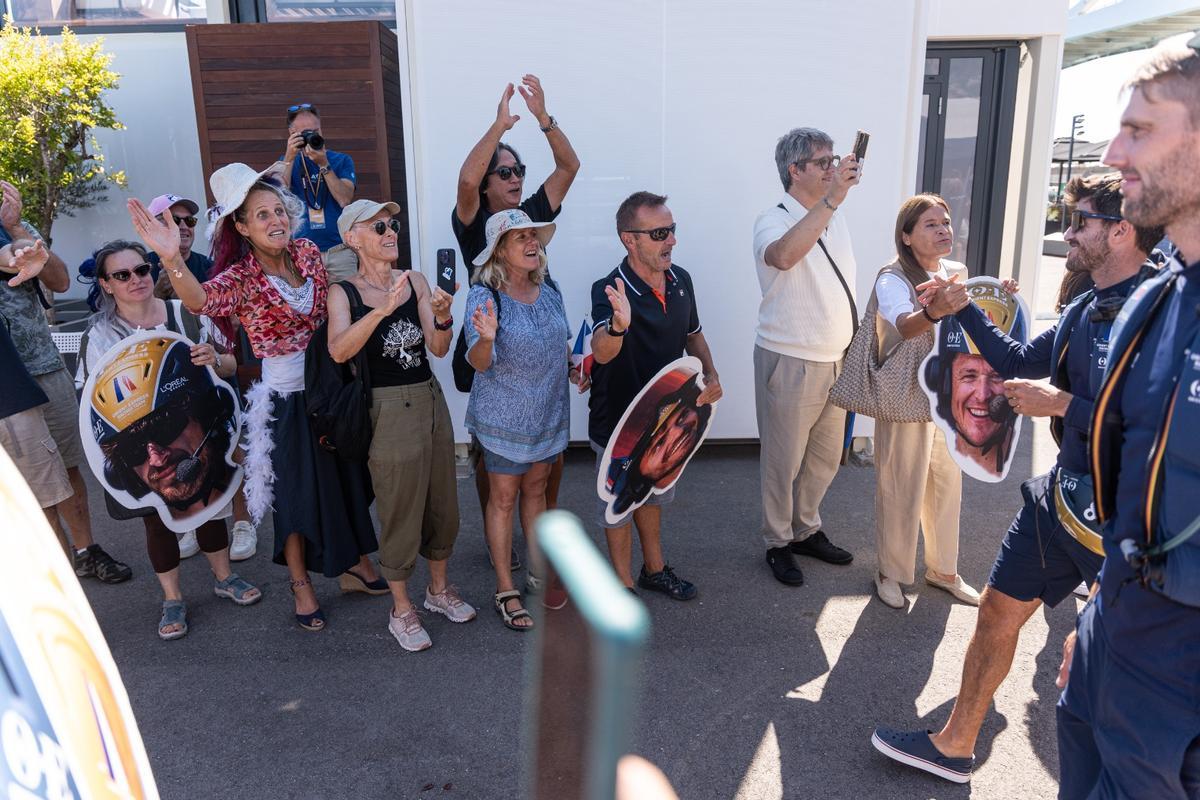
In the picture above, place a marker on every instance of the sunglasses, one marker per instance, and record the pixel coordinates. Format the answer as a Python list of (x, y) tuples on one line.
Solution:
[(1077, 218), (162, 428), (824, 162), (380, 227), (123, 275), (189, 221), (300, 107), (657, 234), (507, 172)]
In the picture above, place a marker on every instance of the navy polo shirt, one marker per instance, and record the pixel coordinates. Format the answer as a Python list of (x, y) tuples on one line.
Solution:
[(1087, 353), (341, 165), (657, 335)]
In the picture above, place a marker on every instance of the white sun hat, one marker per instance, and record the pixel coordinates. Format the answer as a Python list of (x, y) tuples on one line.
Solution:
[(230, 185), (513, 219)]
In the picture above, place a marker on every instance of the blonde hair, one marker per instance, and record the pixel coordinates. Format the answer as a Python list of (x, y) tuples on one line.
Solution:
[(494, 272)]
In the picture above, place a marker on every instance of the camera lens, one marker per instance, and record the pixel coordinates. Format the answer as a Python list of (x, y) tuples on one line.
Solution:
[(313, 139)]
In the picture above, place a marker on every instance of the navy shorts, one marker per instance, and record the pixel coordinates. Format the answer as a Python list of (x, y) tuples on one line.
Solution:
[(1038, 559)]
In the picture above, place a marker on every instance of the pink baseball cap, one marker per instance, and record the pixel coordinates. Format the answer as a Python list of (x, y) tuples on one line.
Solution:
[(164, 201)]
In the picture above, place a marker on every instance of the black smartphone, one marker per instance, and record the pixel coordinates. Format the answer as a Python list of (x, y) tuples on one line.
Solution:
[(445, 270), (860, 145)]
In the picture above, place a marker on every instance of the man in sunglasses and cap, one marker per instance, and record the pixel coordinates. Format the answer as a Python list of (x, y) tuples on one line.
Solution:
[(1053, 543), (185, 213), (644, 317), (806, 271)]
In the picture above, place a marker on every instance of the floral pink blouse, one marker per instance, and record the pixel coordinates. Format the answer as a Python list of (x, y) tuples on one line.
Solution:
[(272, 326)]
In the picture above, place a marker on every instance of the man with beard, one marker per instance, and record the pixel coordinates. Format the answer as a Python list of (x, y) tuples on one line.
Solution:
[(1051, 544), (163, 426), (1129, 715), (644, 315)]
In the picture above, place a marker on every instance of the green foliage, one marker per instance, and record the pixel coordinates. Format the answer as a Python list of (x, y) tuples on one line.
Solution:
[(51, 99)]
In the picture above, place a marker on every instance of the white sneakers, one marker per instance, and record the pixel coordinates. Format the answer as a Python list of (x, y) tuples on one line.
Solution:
[(188, 546), (408, 631), (449, 603), (958, 588), (244, 542), (889, 591)]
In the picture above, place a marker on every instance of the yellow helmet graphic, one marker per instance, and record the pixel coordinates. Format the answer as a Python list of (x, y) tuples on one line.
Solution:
[(124, 391)]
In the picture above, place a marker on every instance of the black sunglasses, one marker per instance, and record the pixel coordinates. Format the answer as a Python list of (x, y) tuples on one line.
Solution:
[(162, 428), (189, 221), (380, 227), (1078, 216), (657, 234), (300, 107), (123, 275), (507, 172)]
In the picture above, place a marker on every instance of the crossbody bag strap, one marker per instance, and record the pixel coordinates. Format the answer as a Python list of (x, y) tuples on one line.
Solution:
[(361, 367), (836, 271)]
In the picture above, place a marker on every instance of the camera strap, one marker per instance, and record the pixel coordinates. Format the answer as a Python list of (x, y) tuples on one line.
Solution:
[(838, 272), (312, 193)]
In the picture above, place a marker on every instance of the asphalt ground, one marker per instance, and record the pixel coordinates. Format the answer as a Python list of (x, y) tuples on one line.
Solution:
[(752, 690)]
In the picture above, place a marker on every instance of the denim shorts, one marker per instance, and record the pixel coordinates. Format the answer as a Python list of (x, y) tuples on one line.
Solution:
[(503, 466)]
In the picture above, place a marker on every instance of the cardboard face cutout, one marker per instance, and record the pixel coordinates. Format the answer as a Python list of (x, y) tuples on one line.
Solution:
[(966, 396), (159, 432), (66, 727), (657, 436)]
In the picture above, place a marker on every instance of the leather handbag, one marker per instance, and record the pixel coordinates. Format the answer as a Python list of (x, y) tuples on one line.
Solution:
[(883, 386)]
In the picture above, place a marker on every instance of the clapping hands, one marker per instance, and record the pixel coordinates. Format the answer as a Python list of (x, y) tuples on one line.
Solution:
[(485, 321), (27, 262), (620, 306)]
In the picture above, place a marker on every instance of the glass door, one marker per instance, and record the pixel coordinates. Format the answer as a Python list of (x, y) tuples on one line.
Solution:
[(966, 130)]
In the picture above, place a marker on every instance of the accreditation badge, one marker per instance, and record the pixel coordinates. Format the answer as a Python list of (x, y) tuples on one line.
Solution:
[(316, 217), (1075, 502)]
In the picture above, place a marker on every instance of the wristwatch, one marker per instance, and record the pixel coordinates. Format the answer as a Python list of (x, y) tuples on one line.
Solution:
[(552, 126), (608, 328), (828, 204), (323, 170)]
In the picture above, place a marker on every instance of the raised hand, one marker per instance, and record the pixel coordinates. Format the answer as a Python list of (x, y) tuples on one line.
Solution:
[(503, 116), (485, 322), (391, 298), (28, 262), (535, 98), (440, 301), (620, 306), (161, 236), (1010, 286), (10, 207), (846, 174)]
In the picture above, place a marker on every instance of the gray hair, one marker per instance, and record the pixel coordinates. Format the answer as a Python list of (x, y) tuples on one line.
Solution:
[(797, 145), (106, 304)]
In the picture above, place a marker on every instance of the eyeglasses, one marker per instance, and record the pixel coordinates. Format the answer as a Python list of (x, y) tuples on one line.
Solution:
[(507, 172), (1078, 216), (657, 234), (189, 221), (161, 428), (300, 107), (823, 163), (380, 227), (123, 275)]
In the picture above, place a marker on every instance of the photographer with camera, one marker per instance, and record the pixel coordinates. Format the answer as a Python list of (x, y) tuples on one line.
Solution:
[(323, 179)]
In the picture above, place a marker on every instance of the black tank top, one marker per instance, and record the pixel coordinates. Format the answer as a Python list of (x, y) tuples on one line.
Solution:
[(396, 354)]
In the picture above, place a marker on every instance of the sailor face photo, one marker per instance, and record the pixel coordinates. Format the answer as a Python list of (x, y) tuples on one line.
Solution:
[(973, 388)]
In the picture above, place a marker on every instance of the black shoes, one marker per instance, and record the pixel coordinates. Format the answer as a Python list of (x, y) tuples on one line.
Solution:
[(95, 563), (666, 582), (783, 564), (818, 546)]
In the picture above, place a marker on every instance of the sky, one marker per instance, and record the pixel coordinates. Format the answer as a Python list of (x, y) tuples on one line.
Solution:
[(1094, 90)]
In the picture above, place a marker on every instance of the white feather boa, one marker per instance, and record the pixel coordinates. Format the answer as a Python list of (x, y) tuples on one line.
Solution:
[(260, 474)]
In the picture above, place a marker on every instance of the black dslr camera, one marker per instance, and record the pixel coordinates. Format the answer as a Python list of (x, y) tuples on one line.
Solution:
[(313, 139)]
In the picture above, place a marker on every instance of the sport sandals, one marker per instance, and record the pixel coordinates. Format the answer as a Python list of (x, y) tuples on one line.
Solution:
[(510, 617)]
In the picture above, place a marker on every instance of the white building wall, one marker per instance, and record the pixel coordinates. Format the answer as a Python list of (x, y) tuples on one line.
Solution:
[(676, 96)]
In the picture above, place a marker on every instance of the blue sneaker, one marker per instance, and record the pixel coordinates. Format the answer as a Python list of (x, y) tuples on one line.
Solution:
[(915, 749)]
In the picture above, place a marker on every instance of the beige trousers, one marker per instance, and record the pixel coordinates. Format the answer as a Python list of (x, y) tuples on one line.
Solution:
[(800, 434), (917, 485)]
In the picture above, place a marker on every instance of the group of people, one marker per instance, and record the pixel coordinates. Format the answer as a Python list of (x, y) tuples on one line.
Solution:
[(278, 276)]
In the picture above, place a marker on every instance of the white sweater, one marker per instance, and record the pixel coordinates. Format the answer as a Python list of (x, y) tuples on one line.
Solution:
[(804, 311)]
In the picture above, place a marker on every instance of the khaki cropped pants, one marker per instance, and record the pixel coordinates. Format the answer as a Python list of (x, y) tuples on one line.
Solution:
[(918, 485), (412, 469)]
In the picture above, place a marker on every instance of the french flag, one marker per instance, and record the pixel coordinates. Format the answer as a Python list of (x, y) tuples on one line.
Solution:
[(581, 353)]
